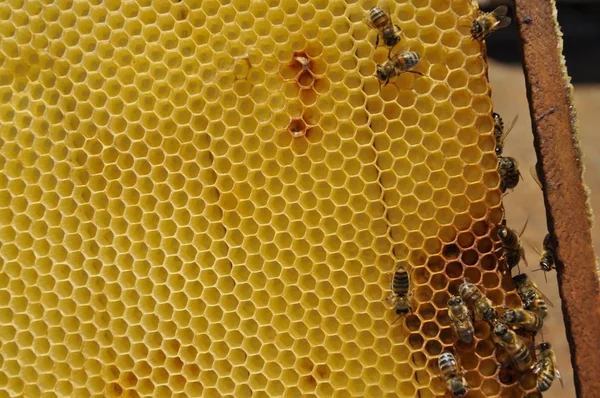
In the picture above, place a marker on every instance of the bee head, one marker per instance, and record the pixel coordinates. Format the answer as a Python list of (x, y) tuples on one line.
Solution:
[(544, 346), (500, 329), (458, 388), (402, 311), (520, 279), (381, 74), (391, 40), (490, 314), (476, 28), (454, 301), (498, 150), (509, 316), (503, 232), (498, 120), (545, 266)]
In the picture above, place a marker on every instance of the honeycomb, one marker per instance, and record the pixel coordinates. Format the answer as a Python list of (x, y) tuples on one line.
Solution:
[(207, 198)]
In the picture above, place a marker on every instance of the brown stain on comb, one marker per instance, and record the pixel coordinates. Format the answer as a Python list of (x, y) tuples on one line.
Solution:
[(304, 74)]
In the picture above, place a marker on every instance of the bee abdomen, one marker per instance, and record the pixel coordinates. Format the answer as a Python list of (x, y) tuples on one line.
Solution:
[(465, 335), (545, 378), (411, 58), (509, 238), (540, 307), (378, 17), (447, 363), (401, 282), (522, 358)]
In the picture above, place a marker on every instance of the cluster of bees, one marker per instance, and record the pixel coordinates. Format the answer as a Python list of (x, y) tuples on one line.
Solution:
[(471, 303)]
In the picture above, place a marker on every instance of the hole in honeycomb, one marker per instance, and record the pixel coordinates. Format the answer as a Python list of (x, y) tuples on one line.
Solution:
[(488, 367), (297, 128), (413, 323), (451, 251), (490, 387), (469, 360), (420, 276), (426, 311), (433, 347), (512, 300), (508, 375), (419, 360), (482, 330), (490, 280), (484, 245), (423, 294), (496, 296), (465, 240), (473, 379), (473, 274), (415, 341), (435, 264), (447, 336), (439, 282), (454, 270), (470, 257), (430, 329), (485, 348), (528, 381), (453, 286), (488, 262)]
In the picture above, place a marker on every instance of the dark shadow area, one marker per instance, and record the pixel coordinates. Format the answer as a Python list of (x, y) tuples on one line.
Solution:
[(580, 25)]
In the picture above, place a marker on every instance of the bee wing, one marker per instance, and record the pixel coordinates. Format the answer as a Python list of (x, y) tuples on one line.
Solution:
[(559, 377), (534, 247), (524, 226), (503, 23), (367, 21), (507, 131), (534, 175), (546, 299), (500, 12)]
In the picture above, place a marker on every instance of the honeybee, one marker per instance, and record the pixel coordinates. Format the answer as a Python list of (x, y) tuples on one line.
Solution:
[(460, 319), (499, 133), (398, 64), (533, 299), (400, 295), (488, 22), (509, 172), (545, 367), (481, 305), (455, 381), (381, 21), (523, 318), (515, 347), (547, 256), (513, 249)]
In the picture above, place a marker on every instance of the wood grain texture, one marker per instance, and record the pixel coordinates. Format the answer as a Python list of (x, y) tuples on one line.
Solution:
[(560, 167)]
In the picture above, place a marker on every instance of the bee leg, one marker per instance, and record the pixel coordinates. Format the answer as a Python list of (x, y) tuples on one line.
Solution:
[(377, 41), (390, 54), (386, 82), (416, 72)]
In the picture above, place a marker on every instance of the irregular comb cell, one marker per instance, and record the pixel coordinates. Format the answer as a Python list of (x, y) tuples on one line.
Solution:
[(208, 200)]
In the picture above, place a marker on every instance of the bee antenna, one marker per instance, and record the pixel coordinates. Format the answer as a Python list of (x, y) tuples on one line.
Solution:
[(397, 319)]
